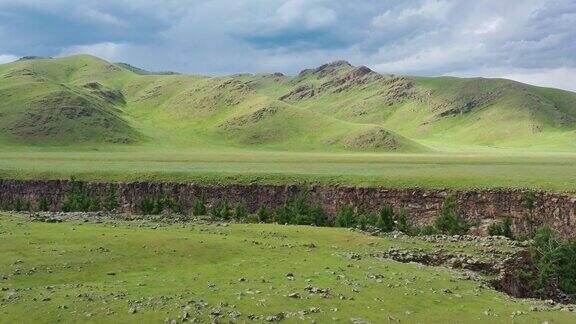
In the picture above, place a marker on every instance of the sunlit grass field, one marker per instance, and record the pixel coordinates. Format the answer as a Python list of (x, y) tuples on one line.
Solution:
[(491, 169), (136, 272), (130, 127)]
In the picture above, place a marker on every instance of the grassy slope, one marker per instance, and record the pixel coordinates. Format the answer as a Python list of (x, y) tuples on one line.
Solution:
[(230, 129), (161, 268), (444, 113), (47, 102), (335, 107), (171, 110), (515, 115)]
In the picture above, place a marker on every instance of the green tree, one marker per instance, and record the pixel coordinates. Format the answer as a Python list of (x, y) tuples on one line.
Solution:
[(402, 223), (300, 205), (44, 204), (386, 219), (79, 198), (283, 214), (241, 211), (176, 206), (146, 205), (503, 228), (529, 202), (319, 216), (448, 222), (199, 207), (363, 221), (21, 205), (264, 214), (221, 211), (111, 201), (555, 262), (345, 217)]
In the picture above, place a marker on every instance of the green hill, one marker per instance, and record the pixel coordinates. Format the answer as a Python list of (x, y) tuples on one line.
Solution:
[(82, 100)]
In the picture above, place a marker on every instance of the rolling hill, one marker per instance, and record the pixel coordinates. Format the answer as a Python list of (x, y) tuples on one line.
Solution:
[(83, 100)]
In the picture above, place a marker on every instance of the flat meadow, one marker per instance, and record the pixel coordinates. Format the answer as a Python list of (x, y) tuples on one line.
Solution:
[(474, 170)]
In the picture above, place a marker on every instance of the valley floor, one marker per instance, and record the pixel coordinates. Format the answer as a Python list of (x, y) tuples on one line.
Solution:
[(490, 169), (143, 271)]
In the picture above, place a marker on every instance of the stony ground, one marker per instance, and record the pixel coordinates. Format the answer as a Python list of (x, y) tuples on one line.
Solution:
[(115, 270)]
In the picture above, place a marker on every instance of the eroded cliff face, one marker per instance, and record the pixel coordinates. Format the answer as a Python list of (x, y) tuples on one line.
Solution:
[(422, 205)]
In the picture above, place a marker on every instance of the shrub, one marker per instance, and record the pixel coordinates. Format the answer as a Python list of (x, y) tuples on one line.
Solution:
[(21, 205), (283, 215), (199, 207), (402, 223), (44, 204), (146, 205), (301, 219), (345, 216), (111, 201), (386, 218), (363, 221), (251, 218), (555, 262), (530, 224), (221, 210), (319, 216), (79, 199), (264, 214), (5, 205), (241, 211), (300, 205), (176, 206), (429, 230), (156, 205), (503, 228), (299, 211), (529, 200), (448, 222)]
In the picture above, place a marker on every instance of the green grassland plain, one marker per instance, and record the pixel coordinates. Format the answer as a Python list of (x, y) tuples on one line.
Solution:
[(134, 272), (335, 124), (553, 172)]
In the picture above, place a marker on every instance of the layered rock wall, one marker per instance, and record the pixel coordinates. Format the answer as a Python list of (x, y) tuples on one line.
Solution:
[(422, 205)]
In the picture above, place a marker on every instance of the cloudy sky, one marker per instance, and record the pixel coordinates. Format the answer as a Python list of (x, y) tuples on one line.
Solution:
[(532, 41)]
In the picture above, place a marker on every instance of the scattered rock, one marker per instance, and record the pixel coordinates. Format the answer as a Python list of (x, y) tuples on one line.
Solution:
[(215, 312), (276, 318), (294, 295), (234, 314), (353, 256)]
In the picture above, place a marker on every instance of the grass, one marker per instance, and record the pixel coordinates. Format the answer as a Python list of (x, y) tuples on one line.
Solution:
[(553, 172), (159, 269), (334, 108), (83, 116)]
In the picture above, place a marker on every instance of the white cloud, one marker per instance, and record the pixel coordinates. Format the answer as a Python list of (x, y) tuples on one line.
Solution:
[(561, 77), (489, 27), (99, 16), (7, 58), (529, 40), (431, 58), (109, 51), (306, 13), (429, 10)]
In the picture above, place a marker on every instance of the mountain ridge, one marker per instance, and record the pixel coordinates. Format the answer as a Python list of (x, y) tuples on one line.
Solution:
[(336, 106)]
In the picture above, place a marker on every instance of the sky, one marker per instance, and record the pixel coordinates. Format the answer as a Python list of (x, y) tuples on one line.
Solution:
[(531, 41)]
